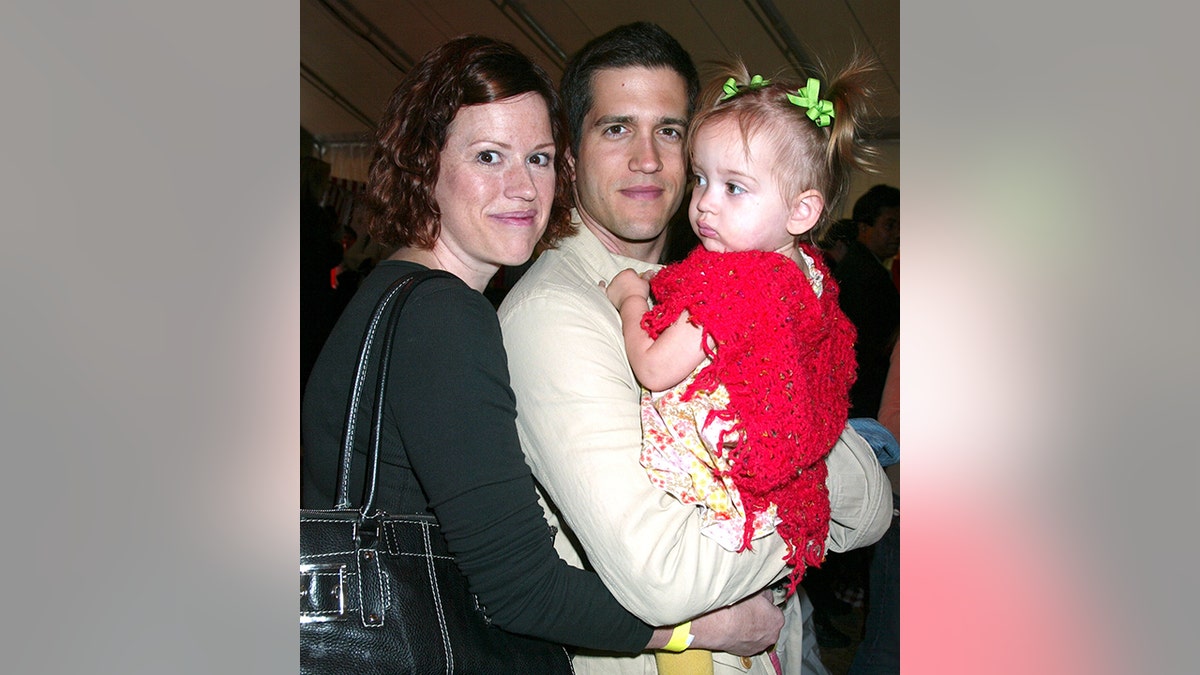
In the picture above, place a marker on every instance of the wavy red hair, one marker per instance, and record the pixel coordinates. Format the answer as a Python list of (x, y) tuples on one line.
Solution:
[(468, 70)]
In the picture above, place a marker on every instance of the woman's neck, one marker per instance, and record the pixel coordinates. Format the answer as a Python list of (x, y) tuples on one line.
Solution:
[(436, 259)]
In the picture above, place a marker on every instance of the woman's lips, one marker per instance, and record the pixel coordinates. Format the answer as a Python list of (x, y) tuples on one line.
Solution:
[(519, 218)]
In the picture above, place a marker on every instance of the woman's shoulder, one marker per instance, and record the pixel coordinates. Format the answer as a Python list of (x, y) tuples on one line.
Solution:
[(441, 300), (441, 285)]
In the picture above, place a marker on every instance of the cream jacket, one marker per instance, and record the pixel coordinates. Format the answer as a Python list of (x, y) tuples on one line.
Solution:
[(578, 416)]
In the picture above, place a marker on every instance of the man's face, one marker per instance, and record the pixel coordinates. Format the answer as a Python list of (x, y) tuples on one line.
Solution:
[(630, 171), (883, 236)]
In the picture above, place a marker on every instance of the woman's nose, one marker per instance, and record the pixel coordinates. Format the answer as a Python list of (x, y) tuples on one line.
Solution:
[(519, 184)]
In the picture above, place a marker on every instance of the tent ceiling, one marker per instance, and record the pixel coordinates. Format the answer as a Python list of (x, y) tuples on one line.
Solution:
[(354, 52)]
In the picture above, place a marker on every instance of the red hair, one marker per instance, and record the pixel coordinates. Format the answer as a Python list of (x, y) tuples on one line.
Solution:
[(468, 70)]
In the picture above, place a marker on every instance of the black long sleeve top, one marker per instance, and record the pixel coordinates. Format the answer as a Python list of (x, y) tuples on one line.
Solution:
[(872, 303), (450, 447)]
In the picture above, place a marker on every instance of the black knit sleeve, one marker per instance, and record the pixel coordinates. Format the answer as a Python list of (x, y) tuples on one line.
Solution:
[(457, 418)]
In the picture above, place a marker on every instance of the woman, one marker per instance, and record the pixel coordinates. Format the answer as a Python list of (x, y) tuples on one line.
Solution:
[(470, 174)]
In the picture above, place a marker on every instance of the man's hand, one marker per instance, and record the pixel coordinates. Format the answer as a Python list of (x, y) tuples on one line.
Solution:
[(746, 628)]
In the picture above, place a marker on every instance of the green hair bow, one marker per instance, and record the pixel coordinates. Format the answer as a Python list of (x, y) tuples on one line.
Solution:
[(819, 110), (732, 89)]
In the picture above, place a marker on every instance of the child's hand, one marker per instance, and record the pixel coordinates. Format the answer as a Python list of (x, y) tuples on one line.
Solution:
[(627, 284)]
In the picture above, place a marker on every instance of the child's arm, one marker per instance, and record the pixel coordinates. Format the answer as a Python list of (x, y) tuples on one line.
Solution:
[(659, 364)]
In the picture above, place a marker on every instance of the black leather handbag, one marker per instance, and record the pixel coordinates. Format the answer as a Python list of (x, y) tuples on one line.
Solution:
[(381, 593)]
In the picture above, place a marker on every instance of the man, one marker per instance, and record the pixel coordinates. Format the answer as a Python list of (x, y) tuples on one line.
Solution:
[(629, 94), (868, 296)]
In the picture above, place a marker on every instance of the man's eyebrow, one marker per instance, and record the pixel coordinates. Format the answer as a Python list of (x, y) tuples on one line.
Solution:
[(632, 119), (615, 119)]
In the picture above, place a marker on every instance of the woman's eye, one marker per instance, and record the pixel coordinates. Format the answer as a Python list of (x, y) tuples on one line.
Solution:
[(541, 159), (488, 157)]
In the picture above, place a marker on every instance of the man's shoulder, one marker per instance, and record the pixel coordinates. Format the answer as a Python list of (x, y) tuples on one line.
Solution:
[(557, 276), (858, 265)]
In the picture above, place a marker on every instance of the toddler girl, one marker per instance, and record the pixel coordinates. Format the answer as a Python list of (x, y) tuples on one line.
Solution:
[(746, 357)]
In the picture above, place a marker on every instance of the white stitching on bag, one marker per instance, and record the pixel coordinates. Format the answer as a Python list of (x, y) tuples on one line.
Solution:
[(383, 588), (437, 601), (362, 605)]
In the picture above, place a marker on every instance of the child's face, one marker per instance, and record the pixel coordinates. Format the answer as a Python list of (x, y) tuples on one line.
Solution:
[(737, 204)]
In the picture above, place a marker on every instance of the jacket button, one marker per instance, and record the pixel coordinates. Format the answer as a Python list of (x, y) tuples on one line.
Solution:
[(746, 662)]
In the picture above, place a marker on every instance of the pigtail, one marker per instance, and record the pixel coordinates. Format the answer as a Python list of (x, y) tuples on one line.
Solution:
[(852, 91)]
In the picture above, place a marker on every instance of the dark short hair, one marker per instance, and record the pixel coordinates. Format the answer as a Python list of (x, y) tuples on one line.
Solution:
[(640, 44), (844, 229), (468, 70), (874, 201)]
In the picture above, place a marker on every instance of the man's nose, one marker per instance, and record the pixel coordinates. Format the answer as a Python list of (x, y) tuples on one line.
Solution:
[(646, 157)]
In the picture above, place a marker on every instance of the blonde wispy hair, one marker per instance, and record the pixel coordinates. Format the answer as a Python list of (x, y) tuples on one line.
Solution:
[(810, 157)]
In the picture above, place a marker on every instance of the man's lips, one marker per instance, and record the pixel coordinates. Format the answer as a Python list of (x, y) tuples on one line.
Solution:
[(642, 192)]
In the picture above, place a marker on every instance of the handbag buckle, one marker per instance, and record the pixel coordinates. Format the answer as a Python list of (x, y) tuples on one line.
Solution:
[(368, 532), (322, 592)]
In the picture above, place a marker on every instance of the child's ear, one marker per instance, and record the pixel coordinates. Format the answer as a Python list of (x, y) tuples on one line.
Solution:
[(806, 211)]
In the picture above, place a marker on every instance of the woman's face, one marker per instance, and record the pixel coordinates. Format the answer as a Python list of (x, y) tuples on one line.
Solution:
[(495, 185)]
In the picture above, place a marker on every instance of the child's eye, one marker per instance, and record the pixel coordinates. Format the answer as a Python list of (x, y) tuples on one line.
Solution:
[(488, 157), (699, 180), (734, 188)]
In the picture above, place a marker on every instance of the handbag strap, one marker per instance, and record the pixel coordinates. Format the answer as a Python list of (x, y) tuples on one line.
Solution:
[(395, 296)]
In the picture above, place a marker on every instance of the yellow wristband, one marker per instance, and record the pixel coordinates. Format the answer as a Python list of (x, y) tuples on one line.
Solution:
[(681, 638)]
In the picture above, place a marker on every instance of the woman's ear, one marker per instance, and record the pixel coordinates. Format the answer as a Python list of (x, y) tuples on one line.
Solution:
[(806, 211)]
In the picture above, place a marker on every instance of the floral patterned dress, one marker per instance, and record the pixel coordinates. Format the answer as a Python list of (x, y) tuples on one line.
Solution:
[(747, 432)]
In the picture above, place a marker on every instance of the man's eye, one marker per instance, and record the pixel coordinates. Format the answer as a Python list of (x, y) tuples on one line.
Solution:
[(615, 130), (672, 133)]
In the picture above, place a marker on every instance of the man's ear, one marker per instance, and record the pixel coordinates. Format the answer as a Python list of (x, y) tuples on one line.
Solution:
[(570, 165), (806, 211)]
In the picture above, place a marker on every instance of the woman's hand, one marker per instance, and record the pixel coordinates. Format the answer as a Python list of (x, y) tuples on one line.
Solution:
[(746, 628), (627, 284)]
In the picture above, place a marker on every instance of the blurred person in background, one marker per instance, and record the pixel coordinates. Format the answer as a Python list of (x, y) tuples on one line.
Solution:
[(868, 294)]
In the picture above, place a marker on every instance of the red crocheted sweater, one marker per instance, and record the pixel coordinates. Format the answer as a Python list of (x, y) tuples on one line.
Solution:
[(786, 357)]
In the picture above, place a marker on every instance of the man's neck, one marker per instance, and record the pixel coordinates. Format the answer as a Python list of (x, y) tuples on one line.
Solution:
[(873, 253), (649, 251)]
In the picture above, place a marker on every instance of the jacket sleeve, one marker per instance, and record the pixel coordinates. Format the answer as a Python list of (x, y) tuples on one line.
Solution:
[(580, 426), (456, 414)]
